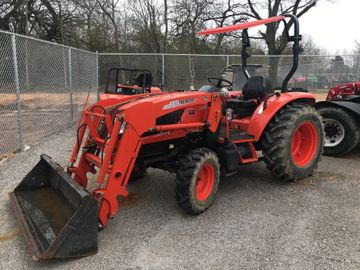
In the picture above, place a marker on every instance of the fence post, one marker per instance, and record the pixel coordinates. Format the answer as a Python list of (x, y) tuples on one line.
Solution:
[(65, 70), (358, 69), (163, 69), (27, 64), (70, 89), (97, 76), (227, 61), (17, 89)]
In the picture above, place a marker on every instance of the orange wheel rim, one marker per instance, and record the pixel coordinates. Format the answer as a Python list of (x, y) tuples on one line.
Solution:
[(304, 144), (205, 182)]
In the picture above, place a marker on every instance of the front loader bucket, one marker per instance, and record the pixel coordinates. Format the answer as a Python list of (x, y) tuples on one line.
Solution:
[(58, 217)]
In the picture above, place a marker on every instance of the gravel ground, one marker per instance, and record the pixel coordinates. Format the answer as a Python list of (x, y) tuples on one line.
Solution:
[(255, 222)]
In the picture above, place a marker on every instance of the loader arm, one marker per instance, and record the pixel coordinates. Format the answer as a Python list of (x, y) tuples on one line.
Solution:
[(131, 125)]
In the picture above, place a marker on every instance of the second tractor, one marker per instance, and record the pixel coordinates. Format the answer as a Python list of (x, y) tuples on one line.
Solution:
[(341, 118)]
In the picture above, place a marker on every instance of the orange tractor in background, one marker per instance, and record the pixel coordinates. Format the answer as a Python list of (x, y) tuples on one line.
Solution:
[(129, 81), (200, 135)]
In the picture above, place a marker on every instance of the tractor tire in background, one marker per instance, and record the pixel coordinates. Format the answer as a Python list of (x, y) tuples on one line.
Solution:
[(197, 180), (293, 142), (342, 131)]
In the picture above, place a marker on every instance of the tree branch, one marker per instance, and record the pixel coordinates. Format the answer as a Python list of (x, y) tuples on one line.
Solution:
[(256, 14)]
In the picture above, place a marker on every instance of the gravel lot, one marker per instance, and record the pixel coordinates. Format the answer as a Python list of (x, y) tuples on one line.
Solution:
[(256, 221)]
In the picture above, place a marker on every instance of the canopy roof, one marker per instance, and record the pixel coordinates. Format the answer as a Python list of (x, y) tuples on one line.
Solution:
[(240, 26)]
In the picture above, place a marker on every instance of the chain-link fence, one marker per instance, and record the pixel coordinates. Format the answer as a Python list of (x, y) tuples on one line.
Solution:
[(42, 88), (43, 85), (180, 72)]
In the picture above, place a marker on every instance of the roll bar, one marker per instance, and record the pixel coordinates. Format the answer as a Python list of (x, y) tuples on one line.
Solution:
[(296, 38)]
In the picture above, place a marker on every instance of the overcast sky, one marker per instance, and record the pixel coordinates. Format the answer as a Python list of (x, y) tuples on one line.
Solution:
[(334, 26)]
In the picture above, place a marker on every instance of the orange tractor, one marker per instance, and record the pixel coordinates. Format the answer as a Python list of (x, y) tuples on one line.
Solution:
[(129, 81), (200, 135)]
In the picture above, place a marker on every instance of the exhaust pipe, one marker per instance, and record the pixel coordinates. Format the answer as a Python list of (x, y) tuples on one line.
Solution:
[(58, 217)]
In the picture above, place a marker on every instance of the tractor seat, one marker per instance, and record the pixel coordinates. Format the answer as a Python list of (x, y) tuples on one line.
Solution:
[(139, 81), (257, 87)]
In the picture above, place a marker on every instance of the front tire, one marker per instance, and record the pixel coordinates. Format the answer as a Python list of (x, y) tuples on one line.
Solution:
[(293, 142), (341, 131), (197, 180)]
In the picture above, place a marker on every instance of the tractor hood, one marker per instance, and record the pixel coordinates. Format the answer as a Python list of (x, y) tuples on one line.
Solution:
[(142, 111), (170, 100)]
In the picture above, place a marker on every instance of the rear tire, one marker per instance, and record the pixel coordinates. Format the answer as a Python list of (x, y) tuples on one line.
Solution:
[(197, 180), (342, 131), (293, 142)]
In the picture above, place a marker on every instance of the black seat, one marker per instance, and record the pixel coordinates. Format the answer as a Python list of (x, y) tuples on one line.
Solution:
[(257, 87), (139, 81)]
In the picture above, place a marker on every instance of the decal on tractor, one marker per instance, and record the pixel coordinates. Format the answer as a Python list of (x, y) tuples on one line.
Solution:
[(177, 103)]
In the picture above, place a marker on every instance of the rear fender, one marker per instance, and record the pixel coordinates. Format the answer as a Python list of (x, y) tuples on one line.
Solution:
[(353, 107), (261, 117)]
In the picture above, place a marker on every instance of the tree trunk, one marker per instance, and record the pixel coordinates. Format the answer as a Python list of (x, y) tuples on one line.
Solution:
[(273, 73), (166, 25), (219, 43)]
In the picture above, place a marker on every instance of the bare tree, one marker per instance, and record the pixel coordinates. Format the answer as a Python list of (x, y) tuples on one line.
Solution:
[(109, 8), (188, 18), (146, 24), (222, 14), (277, 44), (166, 24), (52, 19), (88, 11), (9, 10), (356, 59), (14, 12)]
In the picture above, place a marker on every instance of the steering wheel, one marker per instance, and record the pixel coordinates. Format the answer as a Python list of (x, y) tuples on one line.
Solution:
[(219, 82)]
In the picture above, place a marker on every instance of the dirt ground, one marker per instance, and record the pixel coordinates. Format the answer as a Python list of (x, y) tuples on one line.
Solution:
[(320, 96), (42, 114), (256, 222)]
